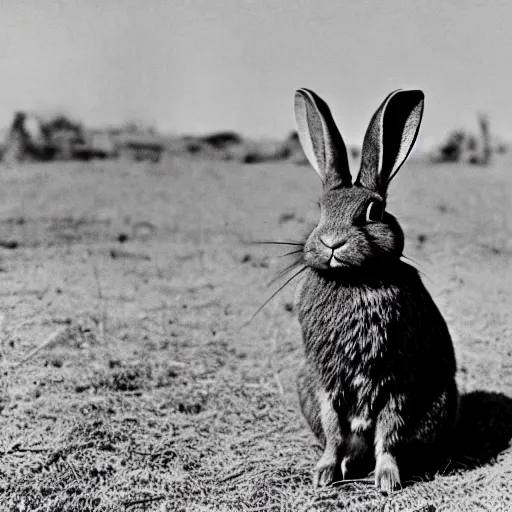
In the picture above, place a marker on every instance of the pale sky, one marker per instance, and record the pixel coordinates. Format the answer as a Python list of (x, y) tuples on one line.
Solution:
[(198, 66)]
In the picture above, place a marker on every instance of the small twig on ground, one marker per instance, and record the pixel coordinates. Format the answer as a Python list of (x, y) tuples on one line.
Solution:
[(279, 385), (17, 449), (103, 321), (74, 471), (53, 338), (144, 454), (142, 501), (233, 475), (117, 253), (446, 467), (34, 450), (98, 281), (366, 481)]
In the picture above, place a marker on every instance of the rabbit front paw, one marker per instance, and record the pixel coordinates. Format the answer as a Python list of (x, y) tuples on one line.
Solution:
[(387, 475), (324, 472)]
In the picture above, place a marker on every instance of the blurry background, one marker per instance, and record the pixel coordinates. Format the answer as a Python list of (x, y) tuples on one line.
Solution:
[(200, 66)]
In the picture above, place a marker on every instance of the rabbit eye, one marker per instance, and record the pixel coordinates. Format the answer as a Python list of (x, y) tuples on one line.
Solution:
[(374, 212)]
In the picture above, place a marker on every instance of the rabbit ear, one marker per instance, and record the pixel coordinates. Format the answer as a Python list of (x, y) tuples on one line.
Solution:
[(321, 139), (389, 138)]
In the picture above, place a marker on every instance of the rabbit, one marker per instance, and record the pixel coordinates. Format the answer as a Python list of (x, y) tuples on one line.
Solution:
[(378, 380)]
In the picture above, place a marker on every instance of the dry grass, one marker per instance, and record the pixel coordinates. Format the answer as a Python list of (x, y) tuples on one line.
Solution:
[(157, 395)]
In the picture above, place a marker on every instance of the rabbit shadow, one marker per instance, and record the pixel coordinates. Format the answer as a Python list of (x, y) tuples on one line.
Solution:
[(483, 431)]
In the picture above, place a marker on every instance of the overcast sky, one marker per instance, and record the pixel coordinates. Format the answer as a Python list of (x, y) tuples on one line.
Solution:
[(198, 66)]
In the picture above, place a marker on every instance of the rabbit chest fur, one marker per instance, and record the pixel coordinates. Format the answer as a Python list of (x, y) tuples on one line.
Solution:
[(370, 341)]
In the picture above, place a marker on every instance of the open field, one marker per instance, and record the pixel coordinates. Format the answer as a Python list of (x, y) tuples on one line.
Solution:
[(156, 392)]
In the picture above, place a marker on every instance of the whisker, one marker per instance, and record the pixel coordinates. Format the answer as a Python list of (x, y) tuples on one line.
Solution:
[(411, 260), (270, 242), (275, 293), (285, 271), (290, 253), (418, 267)]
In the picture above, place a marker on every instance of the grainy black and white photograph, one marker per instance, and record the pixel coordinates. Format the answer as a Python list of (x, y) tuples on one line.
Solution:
[(255, 256)]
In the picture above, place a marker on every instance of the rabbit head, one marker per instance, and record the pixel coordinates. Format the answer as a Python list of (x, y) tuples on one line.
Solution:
[(355, 230)]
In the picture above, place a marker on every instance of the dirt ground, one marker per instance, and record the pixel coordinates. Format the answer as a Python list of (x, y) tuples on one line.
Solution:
[(133, 377)]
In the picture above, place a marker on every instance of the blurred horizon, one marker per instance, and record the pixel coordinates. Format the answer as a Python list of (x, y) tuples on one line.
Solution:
[(190, 67)]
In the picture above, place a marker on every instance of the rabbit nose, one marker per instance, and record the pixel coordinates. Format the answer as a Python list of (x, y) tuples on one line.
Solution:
[(331, 243)]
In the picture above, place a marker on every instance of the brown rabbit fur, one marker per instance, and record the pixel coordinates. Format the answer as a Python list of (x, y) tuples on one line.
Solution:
[(378, 382)]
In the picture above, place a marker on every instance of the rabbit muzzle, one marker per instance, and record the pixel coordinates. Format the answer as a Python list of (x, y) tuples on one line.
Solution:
[(337, 247), (331, 249)]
